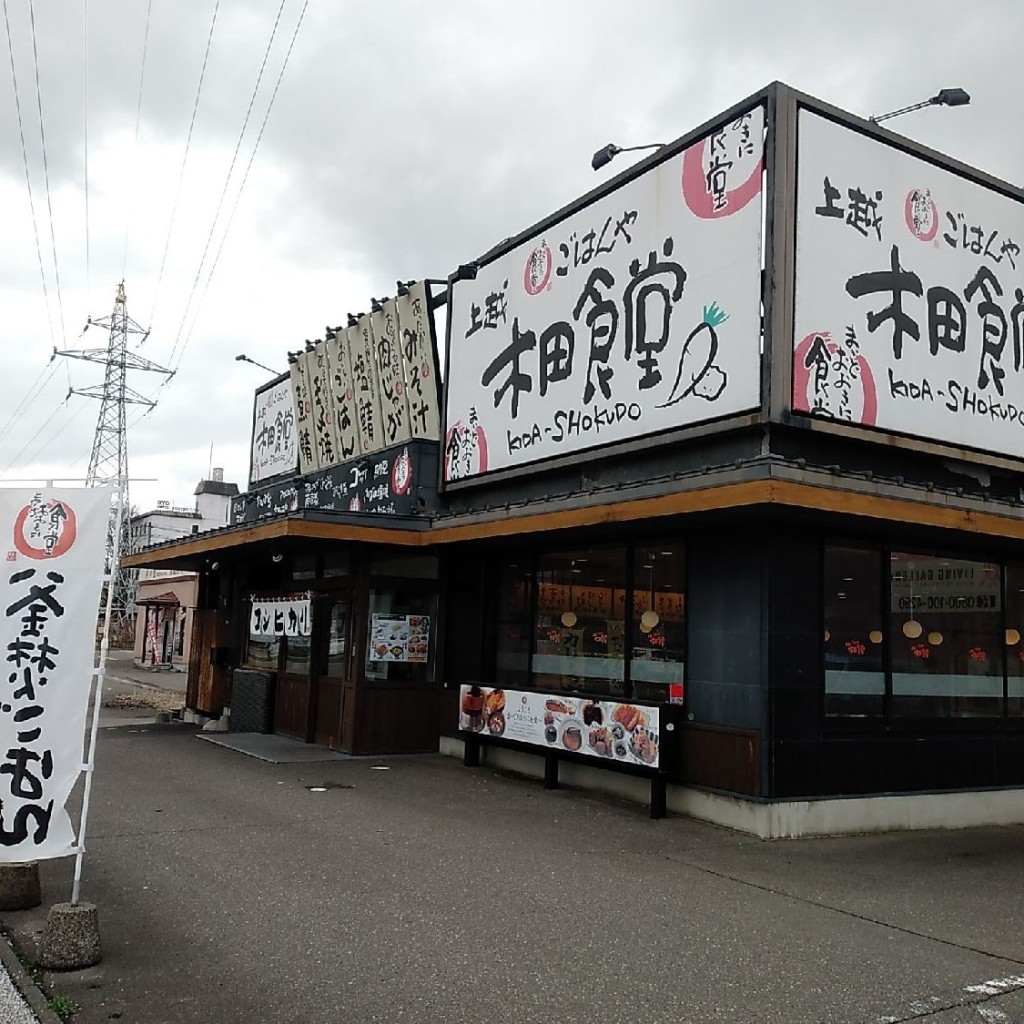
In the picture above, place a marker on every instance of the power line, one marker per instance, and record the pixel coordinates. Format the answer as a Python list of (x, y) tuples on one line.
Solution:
[(227, 181), (46, 171), (28, 177), (181, 174), (85, 129), (36, 388), (138, 117), (47, 441), (241, 188)]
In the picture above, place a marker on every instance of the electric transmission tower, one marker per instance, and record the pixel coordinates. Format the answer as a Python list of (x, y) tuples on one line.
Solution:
[(108, 463)]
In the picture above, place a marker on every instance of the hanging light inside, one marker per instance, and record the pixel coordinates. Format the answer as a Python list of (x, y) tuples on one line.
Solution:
[(1012, 637), (912, 629), (935, 638), (645, 628), (569, 619), (875, 636), (650, 619), (828, 636)]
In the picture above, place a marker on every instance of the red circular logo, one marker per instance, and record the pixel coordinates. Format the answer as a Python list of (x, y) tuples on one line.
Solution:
[(537, 271), (45, 529), (802, 382), (401, 473)]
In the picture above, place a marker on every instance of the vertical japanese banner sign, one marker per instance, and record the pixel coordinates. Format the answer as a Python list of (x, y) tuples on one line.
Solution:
[(55, 543), (308, 456), (394, 406), (346, 422), (364, 375), (419, 360), (635, 315), (909, 310), (322, 400), (274, 448)]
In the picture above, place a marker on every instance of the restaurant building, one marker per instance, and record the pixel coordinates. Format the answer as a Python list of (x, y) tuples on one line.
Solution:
[(724, 489)]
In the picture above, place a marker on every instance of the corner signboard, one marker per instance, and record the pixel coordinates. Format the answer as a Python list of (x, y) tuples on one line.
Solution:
[(634, 315), (909, 308), (274, 435)]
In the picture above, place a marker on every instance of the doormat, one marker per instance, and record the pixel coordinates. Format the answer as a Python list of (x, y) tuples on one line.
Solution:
[(273, 748)]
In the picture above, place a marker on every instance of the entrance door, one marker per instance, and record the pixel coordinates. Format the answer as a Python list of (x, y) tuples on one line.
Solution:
[(334, 685), (291, 701)]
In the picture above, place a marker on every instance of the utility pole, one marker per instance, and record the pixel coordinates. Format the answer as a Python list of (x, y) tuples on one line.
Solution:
[(108, 463)]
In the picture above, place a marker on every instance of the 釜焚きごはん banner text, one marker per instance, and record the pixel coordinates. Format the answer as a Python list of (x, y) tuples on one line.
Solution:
[(637, 314)]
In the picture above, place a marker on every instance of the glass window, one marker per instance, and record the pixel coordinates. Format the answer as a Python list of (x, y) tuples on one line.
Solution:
[(261, 652), (513, 639), (659, 626), (580, 623), (338, 639), (854, 652), (337, 563), (1014, 640), (296, 655), (304, 567), (946, 637)]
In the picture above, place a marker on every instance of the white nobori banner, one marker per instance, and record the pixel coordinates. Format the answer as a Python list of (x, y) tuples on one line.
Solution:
[(287, 617), (55, 541)]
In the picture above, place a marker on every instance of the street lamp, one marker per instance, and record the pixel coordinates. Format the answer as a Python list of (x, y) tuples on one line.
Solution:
[(606, 154), (243, 358), (943, 98)]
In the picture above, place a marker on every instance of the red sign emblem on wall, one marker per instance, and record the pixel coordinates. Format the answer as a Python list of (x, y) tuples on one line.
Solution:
[(45, 529)]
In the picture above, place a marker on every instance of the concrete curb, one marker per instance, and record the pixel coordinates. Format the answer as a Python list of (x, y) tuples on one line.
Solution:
[(25, 985)]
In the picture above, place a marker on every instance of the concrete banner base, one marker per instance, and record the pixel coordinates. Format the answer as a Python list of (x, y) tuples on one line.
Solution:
[(19, 885), (71, 937)]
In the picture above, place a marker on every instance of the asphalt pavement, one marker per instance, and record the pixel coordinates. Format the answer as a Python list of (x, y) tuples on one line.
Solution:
[(235, 890)]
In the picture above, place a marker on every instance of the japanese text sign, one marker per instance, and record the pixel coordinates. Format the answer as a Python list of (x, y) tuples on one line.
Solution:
[(634, 315), (419, 358), (55, 540), (309, 455), (274, 437), (387, 351), (345, 421), (909, 311), (279, 617)]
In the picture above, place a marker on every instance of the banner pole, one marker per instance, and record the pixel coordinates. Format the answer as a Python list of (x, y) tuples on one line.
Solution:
[(100, 672)]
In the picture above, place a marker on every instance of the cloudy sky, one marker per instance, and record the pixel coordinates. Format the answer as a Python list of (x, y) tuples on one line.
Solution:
[(405, 138)]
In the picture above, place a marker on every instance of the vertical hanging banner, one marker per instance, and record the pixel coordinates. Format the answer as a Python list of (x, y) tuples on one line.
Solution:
[(321, 399), (394, 406), (55, 541), (364, 377), (419, 360), (274, 447), (345, 419), (299, 370)]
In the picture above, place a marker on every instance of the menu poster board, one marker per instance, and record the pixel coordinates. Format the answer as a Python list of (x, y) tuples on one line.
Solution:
[(308, 457), (399, 637), (367, 387), (321, 399), (614, 730), (346, 423), (394, 406), (419, 358)]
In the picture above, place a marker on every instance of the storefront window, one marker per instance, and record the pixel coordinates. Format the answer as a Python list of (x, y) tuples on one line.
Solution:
[(580, 624), (296, 655), (401, 636), (946, 636), (261, 652), (513, 639), (659, 626), (1014, 640), (853, 639)]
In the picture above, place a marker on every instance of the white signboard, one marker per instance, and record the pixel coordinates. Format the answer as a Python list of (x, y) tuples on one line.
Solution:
[(419, 360), (274, 436), (948, 586), (909, 308), (280, 617), (638, 314), (308, 456), (367, 387), (614, 730), (394, 406), (345, 417), (321, 398), (55, 540)]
